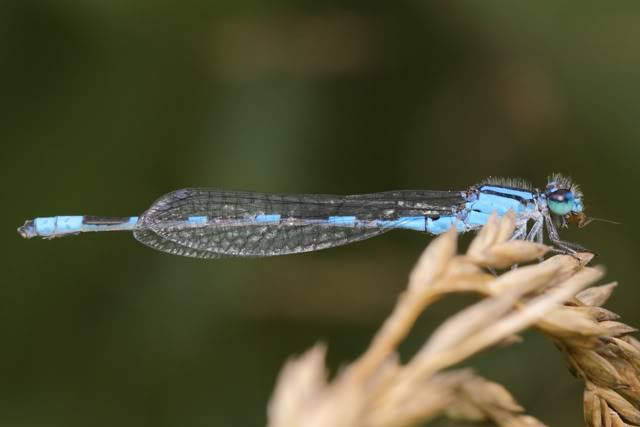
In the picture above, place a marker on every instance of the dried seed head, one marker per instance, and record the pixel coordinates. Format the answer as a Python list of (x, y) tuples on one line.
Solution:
[(513, 252), (616, 329), (433, 261), (566, 323), (592, 408), (491, 247), (301, 381), (378, 391), (485, 400), (598, 369), (619, 404), (596, 295), (628, 352)]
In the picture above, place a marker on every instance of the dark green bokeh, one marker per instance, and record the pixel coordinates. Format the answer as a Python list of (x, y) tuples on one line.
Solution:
[(108, 105)]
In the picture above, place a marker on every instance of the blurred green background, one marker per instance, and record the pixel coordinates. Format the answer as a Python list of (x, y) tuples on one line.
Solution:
[(106, 105)]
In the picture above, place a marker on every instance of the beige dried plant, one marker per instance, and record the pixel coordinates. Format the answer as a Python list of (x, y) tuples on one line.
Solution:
[(376, 390)]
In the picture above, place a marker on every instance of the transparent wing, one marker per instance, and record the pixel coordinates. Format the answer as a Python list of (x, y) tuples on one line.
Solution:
[(251, 240), (151, 239), (303, 222)]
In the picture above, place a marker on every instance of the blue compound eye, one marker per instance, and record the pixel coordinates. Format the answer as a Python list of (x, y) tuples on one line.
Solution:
[(560, 202)]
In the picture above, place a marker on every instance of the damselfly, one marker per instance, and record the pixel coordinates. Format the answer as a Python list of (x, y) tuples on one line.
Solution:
[(208, 223)]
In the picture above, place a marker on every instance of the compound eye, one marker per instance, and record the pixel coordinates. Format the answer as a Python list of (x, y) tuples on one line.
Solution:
[(560, 202)]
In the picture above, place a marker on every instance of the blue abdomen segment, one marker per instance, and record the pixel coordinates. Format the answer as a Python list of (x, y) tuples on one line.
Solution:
[(269, 218), (108, 224), (475, 218), (61, 225), (345, 220), (418, 223), (57, 225), (443, 224), (197, 220)]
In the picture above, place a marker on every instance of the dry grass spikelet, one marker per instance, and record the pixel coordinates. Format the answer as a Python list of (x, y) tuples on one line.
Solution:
[(601, 351), (376, 390)]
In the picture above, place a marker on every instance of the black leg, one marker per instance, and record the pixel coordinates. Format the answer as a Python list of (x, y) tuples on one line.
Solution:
[(568, 248)]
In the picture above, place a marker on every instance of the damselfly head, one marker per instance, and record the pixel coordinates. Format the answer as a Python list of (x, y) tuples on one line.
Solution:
[(564, 199)]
